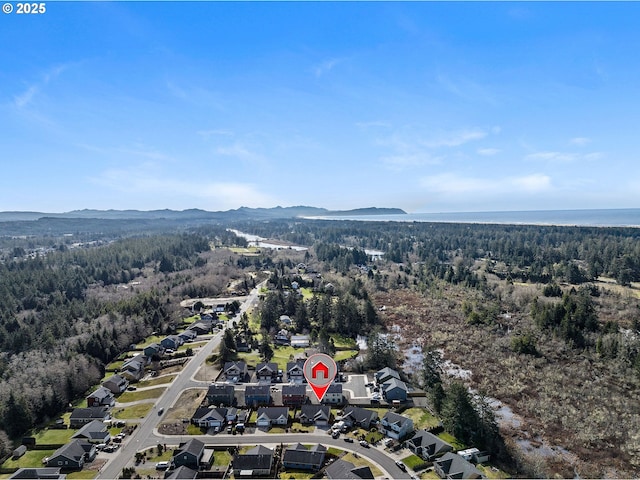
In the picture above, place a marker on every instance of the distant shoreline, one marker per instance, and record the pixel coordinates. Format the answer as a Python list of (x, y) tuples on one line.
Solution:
[(624, 217)]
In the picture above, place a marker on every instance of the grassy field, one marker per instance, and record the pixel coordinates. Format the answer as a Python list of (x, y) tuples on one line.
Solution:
[(222, 458), (421, 418), (136, 411), (451, 440), (195, 345), (295, 474), (306, 293), (148, 341), (334, 451), (32, 458), (340, 341), (54, 436), (157, 381), (114, 366), (345, 355), (127, 397), (83, 475)]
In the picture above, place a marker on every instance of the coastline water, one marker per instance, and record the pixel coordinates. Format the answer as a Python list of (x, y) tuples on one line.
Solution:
[(624, 217)]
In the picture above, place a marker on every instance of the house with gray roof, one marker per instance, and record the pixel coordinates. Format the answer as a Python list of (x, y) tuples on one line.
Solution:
[(116, 383), (270, 416), (82, 416), (255, 395), (333, 395), (396, 426), (172, 342), (386, 374), (453, 466), (344, 470), (256, 462), (153, 349), (394, 389), (235, 372), (319, 415), (295, 372), (358, 417), (95, 432), (181, 473), (427, 445), (190, 454), (101, 397), (73, 455), (303, 458), (267, 372), (45, 473), (294, 394), (210, 417), (221, 394)]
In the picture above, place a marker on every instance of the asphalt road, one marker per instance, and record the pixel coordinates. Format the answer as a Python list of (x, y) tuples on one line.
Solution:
[(146, 434)]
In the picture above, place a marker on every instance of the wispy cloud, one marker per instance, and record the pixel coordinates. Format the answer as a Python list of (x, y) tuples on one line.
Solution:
[(214, 132), (487, 152), (326, 66), (25, 98), (239, 151), (456, 138), (580, 141), (404, 160), (454, 184), (563, 157), (465, 89)]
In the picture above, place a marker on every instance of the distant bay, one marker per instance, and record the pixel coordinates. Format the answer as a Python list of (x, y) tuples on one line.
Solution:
[(622, 217)]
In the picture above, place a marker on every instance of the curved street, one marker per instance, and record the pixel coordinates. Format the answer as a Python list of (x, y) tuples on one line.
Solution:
[(146, 434)]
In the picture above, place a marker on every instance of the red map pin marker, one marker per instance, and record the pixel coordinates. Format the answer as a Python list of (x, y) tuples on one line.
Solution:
[(320, 370)]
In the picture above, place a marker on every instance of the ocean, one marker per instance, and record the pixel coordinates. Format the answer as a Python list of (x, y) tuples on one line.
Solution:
[(622, 217)]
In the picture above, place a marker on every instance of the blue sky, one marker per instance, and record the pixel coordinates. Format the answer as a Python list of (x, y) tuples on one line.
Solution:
[(430, 107)]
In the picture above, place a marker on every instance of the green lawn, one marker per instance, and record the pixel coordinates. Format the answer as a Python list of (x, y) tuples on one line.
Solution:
[(192, 319), (54, 436), (334, 451), (306, 293), (421, 418), (148, 341), (345, 355), (412, 461), (136, 411), (298, 427), (157, 381), (127, 397), (340, 341), (32, 458), (277, 430), (195, 345), (114, 366), (83, 474), (295, 474), (490, 471), (221, 458), (451, 440)]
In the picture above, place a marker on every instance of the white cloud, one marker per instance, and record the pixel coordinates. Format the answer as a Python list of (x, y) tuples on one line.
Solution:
[(532, 183), (580, 141), (487, 152), (455, 139), (239, 151), (410, 160), (564, 157), (24, 99)]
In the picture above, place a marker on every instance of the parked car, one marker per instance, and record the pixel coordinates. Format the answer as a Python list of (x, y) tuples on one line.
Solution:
[(401, 465), (335, 434), (348, 439), (162, 465), (132, 388), (364, 443)]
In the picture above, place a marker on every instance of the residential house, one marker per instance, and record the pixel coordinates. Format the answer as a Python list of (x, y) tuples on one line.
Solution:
[(82, 416), (45, 473), (220, 308), (153, 349), (172, 342), (235, 372), (359, 417), (255, 395), (201, 328), (101, 397), (221, 394), (256, 462), (333, 394), (427, 445), (282, 338), (241, 344), (300, 341), (95, 432), (300, 457), (285, 319), (451, 465), (293, 395), (210, 417), (133, 368), (190, 454), (295, 371), (181, 473), (267, 372), (320, 415), (270, 416), (188, 335), (73, 455), (116, 384), (386, 374), (394, 389), (396, 426), (344, 470)]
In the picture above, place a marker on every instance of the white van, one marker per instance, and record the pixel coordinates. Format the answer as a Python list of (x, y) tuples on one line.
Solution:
[(162, 465)]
